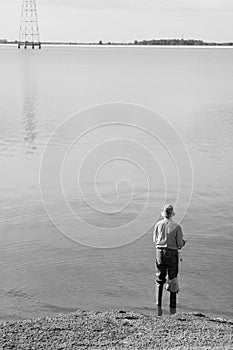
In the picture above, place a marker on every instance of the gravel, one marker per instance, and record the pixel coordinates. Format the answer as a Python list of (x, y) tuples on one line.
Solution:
[(117, 329)]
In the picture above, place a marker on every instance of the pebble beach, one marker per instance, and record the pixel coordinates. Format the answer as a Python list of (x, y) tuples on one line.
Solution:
[(118, 329)]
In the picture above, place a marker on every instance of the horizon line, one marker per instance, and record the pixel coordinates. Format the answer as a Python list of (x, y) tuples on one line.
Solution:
[(135, 42)]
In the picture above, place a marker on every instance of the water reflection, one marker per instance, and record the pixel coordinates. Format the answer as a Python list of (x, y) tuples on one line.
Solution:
[(29, 122), (30, 103)]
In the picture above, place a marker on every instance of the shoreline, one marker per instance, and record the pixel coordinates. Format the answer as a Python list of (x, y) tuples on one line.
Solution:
[(117, 329), (125, 46)]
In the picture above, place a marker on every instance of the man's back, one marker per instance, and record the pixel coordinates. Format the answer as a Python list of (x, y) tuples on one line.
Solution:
[(168, 234)]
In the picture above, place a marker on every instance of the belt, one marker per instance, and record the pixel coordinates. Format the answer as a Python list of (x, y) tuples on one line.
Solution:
[(164, 248)]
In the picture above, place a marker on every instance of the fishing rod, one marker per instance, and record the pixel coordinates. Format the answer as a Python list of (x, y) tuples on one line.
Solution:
[(186, 240)]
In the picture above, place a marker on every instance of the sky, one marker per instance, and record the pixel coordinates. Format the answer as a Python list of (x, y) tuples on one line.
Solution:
[(123, 20)]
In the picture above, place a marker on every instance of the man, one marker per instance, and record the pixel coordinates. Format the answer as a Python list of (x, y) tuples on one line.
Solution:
[(168, 239)]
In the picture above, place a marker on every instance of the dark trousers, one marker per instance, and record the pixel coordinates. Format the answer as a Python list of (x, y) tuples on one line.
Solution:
[(166, 264)]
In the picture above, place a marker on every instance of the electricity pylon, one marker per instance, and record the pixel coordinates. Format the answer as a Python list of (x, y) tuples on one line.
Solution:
[(29, 28)]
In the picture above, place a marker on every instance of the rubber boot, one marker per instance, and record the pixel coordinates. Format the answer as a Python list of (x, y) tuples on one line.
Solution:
[(172, 310), (159, 295), (159, 311), (173, 300)]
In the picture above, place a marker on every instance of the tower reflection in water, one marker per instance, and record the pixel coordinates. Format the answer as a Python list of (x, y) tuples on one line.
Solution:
[(29, 122), (30, 100)]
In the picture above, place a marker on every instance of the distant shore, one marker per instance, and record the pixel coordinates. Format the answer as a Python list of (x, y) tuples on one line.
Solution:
[(117, 329), (152, 42)]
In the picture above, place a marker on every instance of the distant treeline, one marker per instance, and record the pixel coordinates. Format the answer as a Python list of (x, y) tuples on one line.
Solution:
[(189, 42)]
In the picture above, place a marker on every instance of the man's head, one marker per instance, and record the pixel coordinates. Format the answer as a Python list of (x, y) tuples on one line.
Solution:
[(168, 211)]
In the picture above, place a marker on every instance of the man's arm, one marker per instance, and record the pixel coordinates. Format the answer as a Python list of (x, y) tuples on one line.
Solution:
[(179, 237), (155, 233)]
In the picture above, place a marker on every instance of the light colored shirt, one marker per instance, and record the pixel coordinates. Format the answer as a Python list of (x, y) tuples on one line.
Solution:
[(168, 234)]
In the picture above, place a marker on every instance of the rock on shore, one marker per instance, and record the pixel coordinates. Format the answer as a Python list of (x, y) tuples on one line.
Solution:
[(117, 330)]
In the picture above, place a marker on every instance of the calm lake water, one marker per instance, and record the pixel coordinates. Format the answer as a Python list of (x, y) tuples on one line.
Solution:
[(41, 270)]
